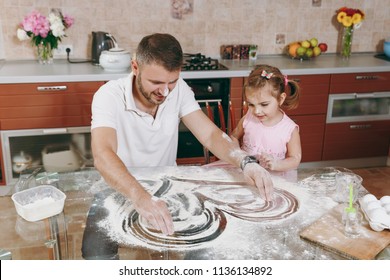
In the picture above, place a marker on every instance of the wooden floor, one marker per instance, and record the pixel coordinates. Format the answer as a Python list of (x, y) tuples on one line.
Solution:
[(375, 179)]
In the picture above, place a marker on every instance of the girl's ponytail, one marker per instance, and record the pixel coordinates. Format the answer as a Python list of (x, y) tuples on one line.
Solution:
[(292, 98)]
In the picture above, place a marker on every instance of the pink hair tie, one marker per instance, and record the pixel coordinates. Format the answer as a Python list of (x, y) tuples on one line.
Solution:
[(285, 80)]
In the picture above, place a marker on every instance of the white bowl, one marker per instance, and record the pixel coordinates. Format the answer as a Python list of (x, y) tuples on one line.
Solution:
[(115, 60), (39, 203)]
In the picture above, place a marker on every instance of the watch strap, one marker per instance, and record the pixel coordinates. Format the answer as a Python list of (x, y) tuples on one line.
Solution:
[(246, 160)]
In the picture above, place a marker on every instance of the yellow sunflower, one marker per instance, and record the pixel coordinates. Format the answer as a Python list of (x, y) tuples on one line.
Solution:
[(356, 18), (340, 16), (347, 21)]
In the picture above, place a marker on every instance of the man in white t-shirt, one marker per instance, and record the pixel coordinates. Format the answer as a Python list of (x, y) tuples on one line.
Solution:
[(135, 123)]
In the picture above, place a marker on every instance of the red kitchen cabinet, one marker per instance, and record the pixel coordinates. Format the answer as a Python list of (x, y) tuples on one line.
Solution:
[(46, 105), (311, 129), (236, 98), (42, 106), (360, 82), (313, 99), (355, 135), (311, 114), (356, 140)]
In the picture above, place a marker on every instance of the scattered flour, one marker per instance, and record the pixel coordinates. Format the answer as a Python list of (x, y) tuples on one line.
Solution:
[(236, 153), (233, 233), (225, 136)]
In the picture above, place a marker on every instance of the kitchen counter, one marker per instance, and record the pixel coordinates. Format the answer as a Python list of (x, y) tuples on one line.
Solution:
[(84, 230), (323, 64), (29, 71)]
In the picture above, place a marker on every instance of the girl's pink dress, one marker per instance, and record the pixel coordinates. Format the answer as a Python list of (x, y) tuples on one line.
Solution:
[(259, 138), (271, 140)]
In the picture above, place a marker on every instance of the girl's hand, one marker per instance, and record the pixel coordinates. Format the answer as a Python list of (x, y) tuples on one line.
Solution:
[(267, 161)]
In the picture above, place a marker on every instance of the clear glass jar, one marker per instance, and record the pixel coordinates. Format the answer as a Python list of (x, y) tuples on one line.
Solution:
[(45, 53)]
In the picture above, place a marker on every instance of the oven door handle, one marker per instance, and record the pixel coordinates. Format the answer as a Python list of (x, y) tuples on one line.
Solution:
[(209, 112), (232, 117), (221, 117), (365, 95)]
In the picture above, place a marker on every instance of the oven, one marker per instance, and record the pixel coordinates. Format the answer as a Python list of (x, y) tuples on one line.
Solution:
[(358, 107), (213, 98), (357, 127), (60, 149), (212, 95)]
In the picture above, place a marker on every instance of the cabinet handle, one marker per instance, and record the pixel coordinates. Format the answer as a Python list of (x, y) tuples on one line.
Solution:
[(54, 130), (52, 88), (360, 126), (366, 77), (364, 95)]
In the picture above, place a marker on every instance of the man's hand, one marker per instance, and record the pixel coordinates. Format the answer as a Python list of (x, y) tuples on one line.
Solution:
[(156, 212), (258, 176)]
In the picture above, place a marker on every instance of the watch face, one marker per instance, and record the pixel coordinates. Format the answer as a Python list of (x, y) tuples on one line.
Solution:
[(248, 159)]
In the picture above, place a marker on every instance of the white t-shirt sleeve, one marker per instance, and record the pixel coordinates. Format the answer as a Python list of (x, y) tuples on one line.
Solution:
[(189, 104), (104, 107)]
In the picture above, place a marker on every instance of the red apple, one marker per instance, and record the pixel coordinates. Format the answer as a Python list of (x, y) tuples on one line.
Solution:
[(323, 47)]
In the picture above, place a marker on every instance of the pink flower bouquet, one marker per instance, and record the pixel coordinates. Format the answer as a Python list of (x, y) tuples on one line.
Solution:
[(44, 31)]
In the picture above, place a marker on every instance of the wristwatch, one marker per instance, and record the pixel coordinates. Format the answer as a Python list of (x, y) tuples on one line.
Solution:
[(246, 160)]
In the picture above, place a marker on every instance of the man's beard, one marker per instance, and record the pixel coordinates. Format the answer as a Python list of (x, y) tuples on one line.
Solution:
[(148, 96)]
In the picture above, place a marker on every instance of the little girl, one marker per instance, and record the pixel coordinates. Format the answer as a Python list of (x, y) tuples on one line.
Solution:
[(266, 131)]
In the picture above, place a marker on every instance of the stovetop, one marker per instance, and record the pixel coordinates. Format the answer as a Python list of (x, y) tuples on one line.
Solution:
[(200, 62)]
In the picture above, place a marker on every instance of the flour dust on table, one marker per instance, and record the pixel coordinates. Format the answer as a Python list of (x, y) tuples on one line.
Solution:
[(216, 215), (201, 211)]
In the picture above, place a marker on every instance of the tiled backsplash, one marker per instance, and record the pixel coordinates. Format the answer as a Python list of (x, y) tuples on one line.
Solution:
[(1, 42), (201, 25)]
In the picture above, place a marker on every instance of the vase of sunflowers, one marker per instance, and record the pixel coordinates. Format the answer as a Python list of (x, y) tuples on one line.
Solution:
[(350, 20)]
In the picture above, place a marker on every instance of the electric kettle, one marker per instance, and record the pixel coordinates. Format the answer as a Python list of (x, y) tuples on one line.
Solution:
[(101, 41)]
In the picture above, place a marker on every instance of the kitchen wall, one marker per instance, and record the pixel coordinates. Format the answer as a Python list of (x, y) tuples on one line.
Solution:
[(1, 42), (201, 25)]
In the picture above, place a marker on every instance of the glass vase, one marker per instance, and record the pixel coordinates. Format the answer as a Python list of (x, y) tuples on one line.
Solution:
[(346, 41), (45, 53)]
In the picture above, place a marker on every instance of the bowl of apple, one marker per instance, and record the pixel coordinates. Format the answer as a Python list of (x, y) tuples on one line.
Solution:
[(306, 50)]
